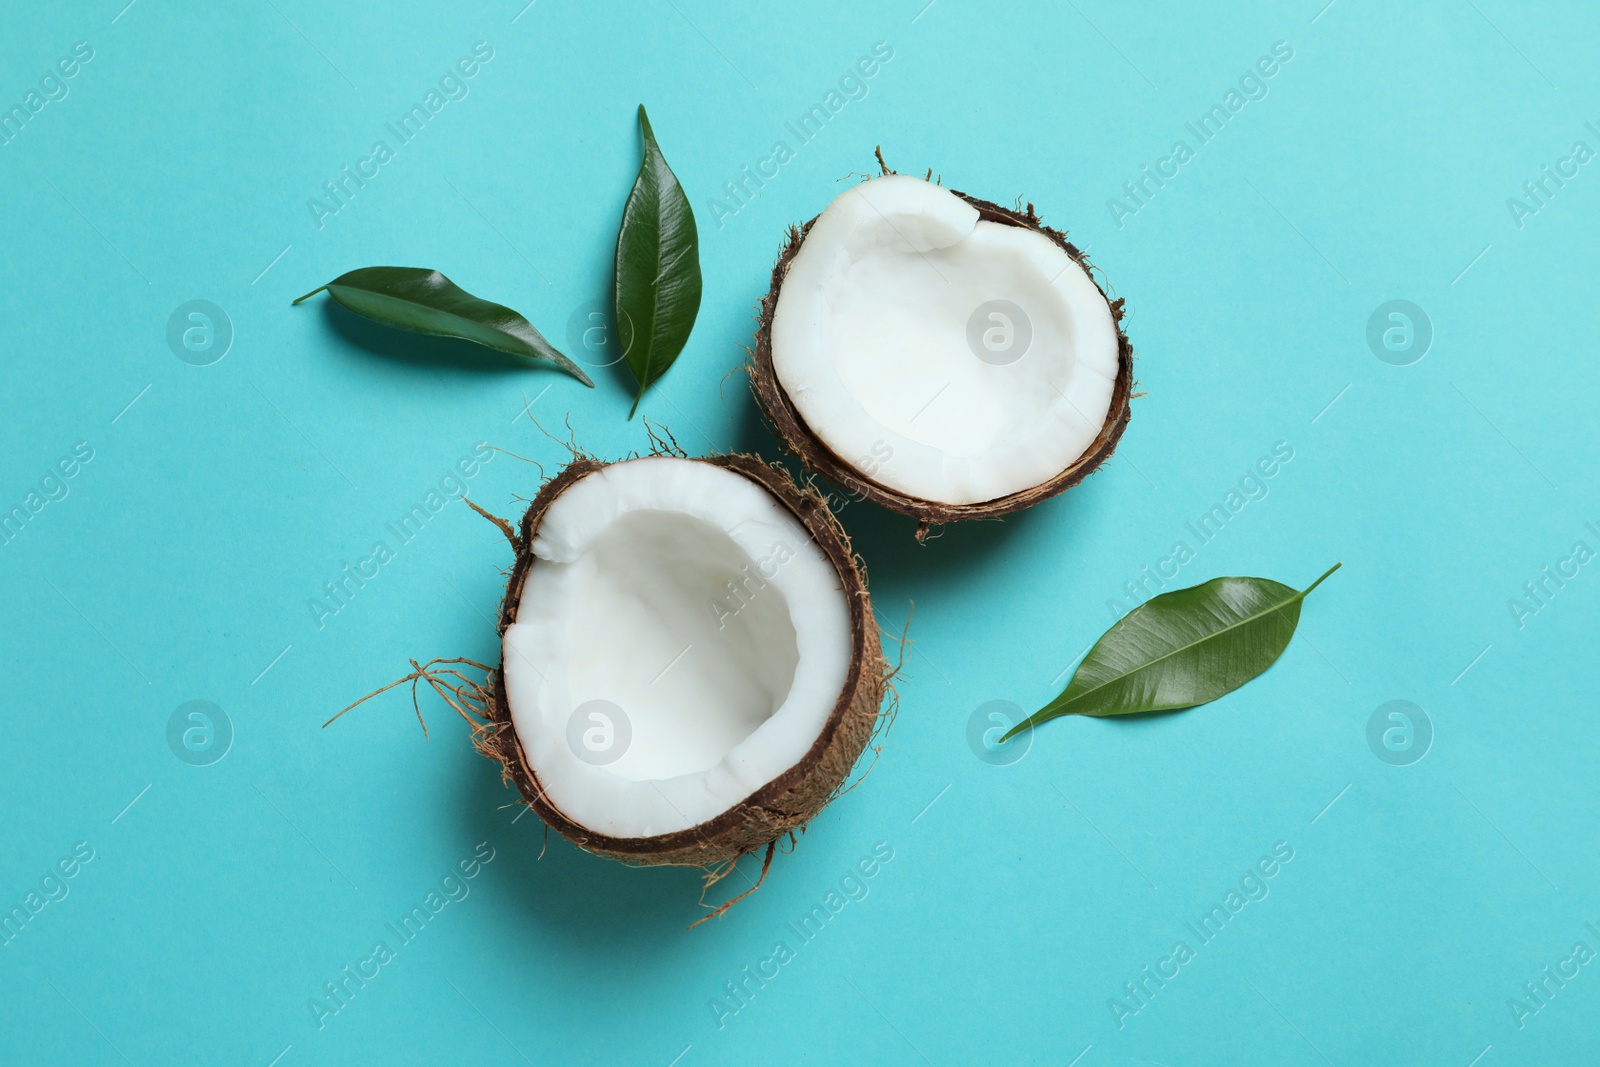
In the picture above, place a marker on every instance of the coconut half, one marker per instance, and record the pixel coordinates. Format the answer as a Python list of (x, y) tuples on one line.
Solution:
[(941, 355), (691, 664)]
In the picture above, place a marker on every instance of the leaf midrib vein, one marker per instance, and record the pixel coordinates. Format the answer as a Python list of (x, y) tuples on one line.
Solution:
[(655, 307), (1184, 648)]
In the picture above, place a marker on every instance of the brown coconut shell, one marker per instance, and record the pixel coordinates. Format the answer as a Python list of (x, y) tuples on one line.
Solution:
[(800, 440), (784, 804)]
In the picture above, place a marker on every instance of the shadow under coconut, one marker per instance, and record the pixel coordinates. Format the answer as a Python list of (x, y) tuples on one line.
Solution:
[(426, 352), (590, 903), (961, 554)]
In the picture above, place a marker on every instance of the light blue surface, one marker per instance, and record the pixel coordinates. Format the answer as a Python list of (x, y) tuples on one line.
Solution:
[(1020, 898)]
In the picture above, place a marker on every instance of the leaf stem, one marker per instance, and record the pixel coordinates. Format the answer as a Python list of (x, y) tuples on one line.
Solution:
[(309, 295), (636, 400), (1324, 577)]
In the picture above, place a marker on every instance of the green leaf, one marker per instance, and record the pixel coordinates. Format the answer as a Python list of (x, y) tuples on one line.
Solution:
[(1182, 648), (425, 301), (658, 268)]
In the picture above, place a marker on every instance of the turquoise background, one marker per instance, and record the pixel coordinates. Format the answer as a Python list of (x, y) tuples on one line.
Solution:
[(1020, 898)]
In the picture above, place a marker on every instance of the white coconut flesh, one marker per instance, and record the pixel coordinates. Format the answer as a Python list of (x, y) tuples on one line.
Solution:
[(690, 604), (886, 341)]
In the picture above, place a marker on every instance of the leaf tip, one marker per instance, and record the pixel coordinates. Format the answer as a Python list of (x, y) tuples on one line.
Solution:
[(1021, 727)]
